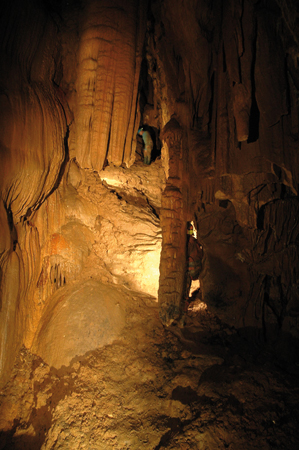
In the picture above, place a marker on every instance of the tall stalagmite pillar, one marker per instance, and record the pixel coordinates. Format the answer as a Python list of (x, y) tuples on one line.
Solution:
[(173, 254)]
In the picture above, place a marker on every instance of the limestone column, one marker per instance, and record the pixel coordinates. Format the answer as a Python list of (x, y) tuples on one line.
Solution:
[(173, 224)]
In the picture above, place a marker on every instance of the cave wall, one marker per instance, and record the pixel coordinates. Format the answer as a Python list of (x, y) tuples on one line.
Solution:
[(69, 91), (227, 72), (33, 153), (219, 83)]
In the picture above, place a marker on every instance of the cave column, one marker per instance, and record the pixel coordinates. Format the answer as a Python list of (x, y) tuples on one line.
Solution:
[(173, 224)]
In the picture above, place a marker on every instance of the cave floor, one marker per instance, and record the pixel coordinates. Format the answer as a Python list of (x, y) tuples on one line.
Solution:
[(201, 387)]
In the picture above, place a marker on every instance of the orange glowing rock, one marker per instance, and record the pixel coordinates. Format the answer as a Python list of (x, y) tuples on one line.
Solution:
[(57, 244)]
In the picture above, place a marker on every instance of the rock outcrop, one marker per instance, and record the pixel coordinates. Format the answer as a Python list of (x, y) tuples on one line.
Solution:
[(93, 243), (218, 84), (226, 79)]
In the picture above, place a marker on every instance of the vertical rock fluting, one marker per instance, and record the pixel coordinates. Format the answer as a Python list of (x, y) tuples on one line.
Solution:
[(238, 33), (173, 253), (110, 52), (241, 116), (33, 130), (76, 65), (257, 176), (220, 69), (273, 298)]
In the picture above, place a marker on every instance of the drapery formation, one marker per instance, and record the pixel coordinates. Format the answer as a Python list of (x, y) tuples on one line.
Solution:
[(109, 59), (220, 79), (69, 92), (230, 77)]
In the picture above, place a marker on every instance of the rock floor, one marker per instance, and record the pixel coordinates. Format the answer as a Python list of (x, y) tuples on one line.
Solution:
[(201, 387)]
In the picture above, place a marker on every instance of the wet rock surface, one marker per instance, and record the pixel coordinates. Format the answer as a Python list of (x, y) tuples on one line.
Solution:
[(201, 387)]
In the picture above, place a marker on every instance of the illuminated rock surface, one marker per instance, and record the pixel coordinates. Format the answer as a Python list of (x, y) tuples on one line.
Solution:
[(102, 237), (150, 390), (92, 242), (80, 319)]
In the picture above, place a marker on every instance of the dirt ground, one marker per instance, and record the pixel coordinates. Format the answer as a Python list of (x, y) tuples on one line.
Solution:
[(201, 387)]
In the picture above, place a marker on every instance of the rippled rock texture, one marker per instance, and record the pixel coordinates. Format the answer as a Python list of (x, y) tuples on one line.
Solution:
[(217, 83)]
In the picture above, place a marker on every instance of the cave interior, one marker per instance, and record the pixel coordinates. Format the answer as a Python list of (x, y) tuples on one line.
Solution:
[(93, 241)]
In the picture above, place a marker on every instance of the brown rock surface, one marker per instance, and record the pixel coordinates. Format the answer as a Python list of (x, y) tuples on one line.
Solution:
[(154, 388), (109, 58), (100, 236), (85, 226), (80, 319)]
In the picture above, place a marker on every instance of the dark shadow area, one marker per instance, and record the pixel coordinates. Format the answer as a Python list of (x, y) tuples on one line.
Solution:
[(253, 387), (185, 395), (175, 426), (254, 117), (156, 153), (21, 438), (30, 435), (7, 442)]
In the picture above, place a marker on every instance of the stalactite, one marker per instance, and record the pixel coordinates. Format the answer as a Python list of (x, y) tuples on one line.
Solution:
[(109, 64)]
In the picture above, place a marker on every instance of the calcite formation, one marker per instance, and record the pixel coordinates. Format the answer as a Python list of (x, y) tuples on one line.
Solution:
[(231, 98), (218, 83), (173, 212), (109, 59)]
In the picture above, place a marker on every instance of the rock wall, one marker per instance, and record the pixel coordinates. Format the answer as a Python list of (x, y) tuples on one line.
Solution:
[(227, 71), (219, 80), (69, 90), (33, 154)]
